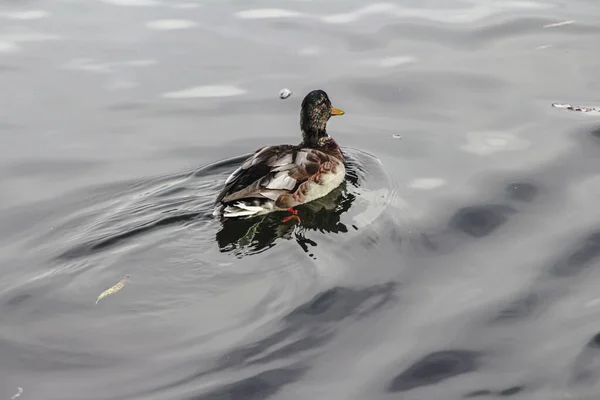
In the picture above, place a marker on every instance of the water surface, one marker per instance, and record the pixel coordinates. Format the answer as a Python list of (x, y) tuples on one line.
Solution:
[(459, 259)]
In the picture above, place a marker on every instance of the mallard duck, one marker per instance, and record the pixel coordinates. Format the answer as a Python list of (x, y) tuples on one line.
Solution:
[(279, 178)]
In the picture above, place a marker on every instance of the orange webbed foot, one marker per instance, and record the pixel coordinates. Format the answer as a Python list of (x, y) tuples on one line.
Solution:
[(294, 216)]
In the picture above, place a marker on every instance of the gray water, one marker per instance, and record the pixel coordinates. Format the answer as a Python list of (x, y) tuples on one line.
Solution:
[(459, 260)]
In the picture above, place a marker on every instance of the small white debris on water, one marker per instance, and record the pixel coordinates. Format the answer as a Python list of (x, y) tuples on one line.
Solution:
[(559, 24), (545, 46), (575, 108), (285, 93), (170, 24), (205, 92), (397, 136)]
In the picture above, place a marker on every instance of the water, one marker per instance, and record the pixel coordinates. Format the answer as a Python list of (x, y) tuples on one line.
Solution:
[(459, 260)]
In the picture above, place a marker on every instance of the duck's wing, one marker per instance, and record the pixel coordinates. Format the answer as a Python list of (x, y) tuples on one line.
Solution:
[(271, 172)]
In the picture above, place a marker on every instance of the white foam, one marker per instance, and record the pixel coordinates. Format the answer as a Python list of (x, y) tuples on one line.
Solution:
[(205, 92), (26, 15), (170, 24), (261, 13), (426, 183), (132, 3)]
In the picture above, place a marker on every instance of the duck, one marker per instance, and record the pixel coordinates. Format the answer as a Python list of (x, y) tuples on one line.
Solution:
[(283, 177)]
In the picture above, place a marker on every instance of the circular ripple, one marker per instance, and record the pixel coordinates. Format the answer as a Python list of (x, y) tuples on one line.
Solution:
[(163, 234)]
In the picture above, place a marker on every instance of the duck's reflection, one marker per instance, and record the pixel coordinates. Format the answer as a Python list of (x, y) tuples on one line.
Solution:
[(254, 235)]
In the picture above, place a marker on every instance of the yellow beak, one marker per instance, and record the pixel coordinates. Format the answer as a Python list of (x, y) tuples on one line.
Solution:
[(336, 111)]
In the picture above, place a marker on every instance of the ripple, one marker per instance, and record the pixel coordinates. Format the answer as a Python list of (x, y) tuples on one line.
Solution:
[(26, 15), (582, 256), (263, 13), (209, 91), (479, 221), (257, 387), (557, 24), (8, 47), (9, 43), (132, 3), (161, 232), (522, 191), (357, 14), (310, 51), (390, 61), (434, 368), (450, 15), (427, 183), (170, 24), (91, 65), (359, 201), (185, 6), (487, 143)]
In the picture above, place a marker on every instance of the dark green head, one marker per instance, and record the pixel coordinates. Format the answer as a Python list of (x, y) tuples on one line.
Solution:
[(314, 114)]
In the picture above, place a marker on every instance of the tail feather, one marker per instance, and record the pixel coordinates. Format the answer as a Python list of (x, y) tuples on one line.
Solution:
[(240, 209)]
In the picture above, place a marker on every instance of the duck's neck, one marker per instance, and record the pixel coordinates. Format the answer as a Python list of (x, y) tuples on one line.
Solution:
[(324, 143)]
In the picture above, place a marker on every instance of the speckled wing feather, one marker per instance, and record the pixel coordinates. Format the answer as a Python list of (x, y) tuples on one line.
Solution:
[(272, 171)]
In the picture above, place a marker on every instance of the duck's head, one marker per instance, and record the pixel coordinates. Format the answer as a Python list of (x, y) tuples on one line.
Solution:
[(314, 114)]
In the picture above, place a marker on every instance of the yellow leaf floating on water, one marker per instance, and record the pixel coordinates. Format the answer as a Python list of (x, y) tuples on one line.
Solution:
[(113, 289)]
